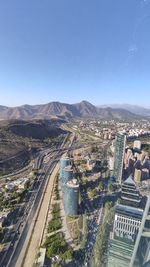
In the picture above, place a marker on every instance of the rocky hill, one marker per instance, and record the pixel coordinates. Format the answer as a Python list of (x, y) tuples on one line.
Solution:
[(20, 139), (62, 110)]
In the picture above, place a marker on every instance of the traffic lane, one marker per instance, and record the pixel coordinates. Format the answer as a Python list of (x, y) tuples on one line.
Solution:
[(21, 224), (26, 228)]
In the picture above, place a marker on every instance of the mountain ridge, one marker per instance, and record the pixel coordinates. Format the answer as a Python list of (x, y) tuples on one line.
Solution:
[(84, 109), (136, 109)]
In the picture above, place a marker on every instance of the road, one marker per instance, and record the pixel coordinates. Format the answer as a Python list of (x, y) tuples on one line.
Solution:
[(94, 221), (29, 252), (23, 226)]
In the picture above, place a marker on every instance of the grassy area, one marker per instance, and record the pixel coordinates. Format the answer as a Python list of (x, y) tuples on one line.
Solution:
[(56, 191), (55, 223), (75, 226), (85, 232)]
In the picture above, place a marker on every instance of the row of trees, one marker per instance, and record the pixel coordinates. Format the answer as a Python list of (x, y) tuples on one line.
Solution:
[(2, 233), (56, 245), (56, 190), (55, 223), (85, 232), (101, 243), (92, 193)]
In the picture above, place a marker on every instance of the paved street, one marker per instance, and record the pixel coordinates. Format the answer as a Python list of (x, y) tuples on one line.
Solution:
[(39, 225)]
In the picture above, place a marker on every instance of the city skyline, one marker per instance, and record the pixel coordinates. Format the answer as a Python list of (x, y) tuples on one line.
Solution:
[(67, 52)]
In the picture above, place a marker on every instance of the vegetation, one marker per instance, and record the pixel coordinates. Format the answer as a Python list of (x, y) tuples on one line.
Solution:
[(13, 199), (103, 235), (100, 186), (19, 139), (56, 245), (91, 193), (75, 226), (146, 148), (112, 187), (2, 233), (56, 191), (55, 223), (85, 232)]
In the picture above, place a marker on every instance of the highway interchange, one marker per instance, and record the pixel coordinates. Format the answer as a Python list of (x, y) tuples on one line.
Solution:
[(24, 215)]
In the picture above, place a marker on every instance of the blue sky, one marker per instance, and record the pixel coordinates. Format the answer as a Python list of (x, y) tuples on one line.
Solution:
[(70, 50)]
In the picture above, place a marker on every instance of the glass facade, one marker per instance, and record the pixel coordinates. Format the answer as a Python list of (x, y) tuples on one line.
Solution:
[(120, 143), (64, 162), (71, 198)]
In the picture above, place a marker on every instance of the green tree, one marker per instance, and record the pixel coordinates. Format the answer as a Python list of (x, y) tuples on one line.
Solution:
[(111, 188), (91, 193), (100, 186)]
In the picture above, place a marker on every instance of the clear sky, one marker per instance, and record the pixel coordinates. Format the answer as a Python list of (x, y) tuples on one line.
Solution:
[(70, 50)]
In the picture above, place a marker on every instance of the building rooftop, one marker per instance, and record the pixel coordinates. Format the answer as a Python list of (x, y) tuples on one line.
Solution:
[(68, 168), (73, 183), (65, 158), (130, 180), (129, 211), (120, 254)]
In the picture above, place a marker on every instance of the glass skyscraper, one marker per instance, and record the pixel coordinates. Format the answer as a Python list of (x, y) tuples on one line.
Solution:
[(120, 144)]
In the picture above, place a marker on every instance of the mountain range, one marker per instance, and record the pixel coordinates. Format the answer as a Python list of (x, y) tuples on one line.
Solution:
[(142, 111), (83, 109)]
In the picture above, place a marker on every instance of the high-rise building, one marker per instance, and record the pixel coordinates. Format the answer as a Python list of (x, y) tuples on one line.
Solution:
[(64, 162), (67, 176), (145, 174), (142, 244), (127, 221), (120, 144), (71, 197), (137, 175), (111, 163), (127, 157), (130, 194)]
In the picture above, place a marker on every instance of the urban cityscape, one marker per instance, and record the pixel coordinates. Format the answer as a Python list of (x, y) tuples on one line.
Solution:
[(74, 133), (81, 200)]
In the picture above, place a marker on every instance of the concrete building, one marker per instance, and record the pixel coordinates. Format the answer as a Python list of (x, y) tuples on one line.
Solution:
[(71, 197), (127, 222), (137, 176), (111, 163), (137, 144), (127, 157), (120, 144), (145, 174), (142, 244), (130, 194), (90, 164)]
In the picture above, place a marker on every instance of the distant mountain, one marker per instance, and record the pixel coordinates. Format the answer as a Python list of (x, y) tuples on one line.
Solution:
[(83, 109), (132, 108)]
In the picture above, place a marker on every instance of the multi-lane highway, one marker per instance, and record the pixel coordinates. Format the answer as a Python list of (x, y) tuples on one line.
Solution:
[(19, 233)]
